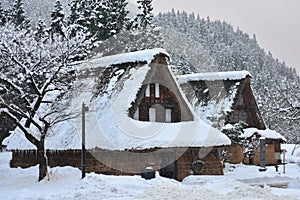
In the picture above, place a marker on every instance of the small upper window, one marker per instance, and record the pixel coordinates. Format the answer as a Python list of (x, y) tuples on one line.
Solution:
[(240, 100), (156, 103), (156, 90), (147, 93), (238, 116), (243, 116)]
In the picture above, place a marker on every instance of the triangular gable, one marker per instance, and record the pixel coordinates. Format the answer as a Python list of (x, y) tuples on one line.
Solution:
[(161, 93), (222, 97)]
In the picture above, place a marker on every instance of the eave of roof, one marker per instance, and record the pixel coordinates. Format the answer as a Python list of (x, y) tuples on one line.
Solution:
[(214, 76), (267, 133), (145, 56)]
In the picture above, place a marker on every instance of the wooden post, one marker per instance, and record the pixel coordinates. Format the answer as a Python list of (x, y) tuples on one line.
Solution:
[(284, 152), (84, 109), (262, 155)]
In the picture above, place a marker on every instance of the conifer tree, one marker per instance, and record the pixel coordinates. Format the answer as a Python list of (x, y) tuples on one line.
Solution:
[(117, 15), (85, 16), (74, 14), (137, 33), (146, 15), (2, 15), (75, 11), (99, 19), (57, 20), (98, 16), (18, 16), (40, 32)]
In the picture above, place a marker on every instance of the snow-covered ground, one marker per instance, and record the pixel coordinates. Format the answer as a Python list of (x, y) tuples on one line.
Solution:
[(239, 182)]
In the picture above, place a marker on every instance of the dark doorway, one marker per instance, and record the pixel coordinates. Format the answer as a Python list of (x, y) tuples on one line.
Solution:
[(168, 165)]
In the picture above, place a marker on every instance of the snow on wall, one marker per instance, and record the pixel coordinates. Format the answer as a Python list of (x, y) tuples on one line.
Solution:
[(213, 76), (108, 125), (268, 133)]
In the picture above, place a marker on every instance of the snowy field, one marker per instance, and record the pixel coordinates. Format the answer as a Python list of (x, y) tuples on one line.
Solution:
[(239, 182)]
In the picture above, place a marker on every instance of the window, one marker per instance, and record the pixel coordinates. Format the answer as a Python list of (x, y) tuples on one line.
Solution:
[(147, 93), (156, 90), (240, 100), (152, 114), (160, 112), (277, 146), (243, 117), (156, 103), (238, 116), (168, 115)]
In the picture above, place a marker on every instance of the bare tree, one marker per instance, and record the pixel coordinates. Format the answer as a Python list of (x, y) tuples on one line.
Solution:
[(35, 78), (285, 105)]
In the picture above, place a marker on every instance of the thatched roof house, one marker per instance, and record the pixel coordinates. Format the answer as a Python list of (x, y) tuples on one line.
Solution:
[(223, 99), (220, 98), (138, 116)]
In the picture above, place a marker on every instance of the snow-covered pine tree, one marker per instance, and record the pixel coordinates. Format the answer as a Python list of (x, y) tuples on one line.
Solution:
[(40, 32), (17, 15), (58, 23), (143, 35), (235, 132), (99, 19), (137, 33), (145, 17), (81, 16), (73, 19), (131, 40), (117, 16), (109, 17), (2, 15), (74, 11)]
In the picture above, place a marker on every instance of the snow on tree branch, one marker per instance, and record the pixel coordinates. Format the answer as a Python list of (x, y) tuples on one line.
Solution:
[(35, 78)]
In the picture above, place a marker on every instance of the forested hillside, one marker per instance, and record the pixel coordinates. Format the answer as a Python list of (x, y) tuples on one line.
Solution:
[(201, 45)]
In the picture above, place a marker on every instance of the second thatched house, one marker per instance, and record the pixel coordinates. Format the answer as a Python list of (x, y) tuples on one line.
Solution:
[(226, 101)]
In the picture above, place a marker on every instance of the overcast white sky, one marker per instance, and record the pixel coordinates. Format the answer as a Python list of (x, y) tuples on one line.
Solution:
[(276, 23)]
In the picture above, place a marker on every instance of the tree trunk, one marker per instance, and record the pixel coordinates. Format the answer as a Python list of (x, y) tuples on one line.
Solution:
[(42, 160), (295, 147)]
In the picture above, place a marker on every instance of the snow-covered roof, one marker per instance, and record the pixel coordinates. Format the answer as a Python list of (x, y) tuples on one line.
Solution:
[(211, 99), (137, 56), (214, 76), (267, 133), (108, 125)]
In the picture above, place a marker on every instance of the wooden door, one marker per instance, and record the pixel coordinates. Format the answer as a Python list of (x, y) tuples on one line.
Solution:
[(168, 165)]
